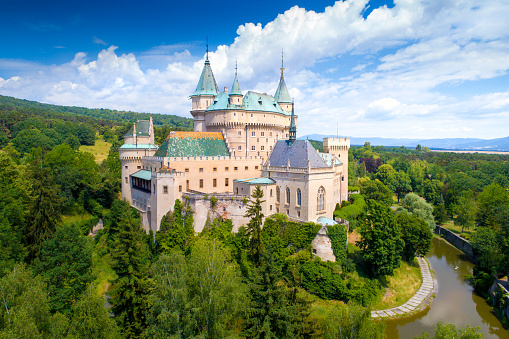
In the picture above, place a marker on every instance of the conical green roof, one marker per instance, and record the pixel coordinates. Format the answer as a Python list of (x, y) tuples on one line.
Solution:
[(282, 95), (236, 87), (207, 84)]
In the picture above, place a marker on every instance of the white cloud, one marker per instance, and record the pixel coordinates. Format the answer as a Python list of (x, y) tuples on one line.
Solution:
[(98, 41), (413, 50)]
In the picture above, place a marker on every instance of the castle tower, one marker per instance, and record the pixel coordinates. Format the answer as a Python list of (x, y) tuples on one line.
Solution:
[(282, 95), (236, 93), (204, 95)]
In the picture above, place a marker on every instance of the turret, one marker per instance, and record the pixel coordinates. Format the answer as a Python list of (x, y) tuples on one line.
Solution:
[(282, 95), (204, 95), (293, 128), (236, 94)]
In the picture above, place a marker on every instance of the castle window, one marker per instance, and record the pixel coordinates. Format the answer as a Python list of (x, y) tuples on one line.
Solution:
[(251, 115), (226, 181), (298, 214), (235, 168), (256, 167), (253, 148), (186, 170), (288, 212), (262, 148), (262, 134), (299, 197), (215, 169), (253, 134), (271, 192), (240, 133), (125, 166), (277, 194), (270, 207), (237, 191), (180, 188), (343, 178), (201, 183), (201, 169), (126, 180), (187, 185), (320, 199), (287, 195), (214, 182), (270, 134), (137, 167), (165, 189), (246, 168), (240, 148), (226, 169)]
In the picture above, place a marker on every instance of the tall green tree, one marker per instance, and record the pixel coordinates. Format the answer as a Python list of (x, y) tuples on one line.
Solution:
[(399, 182), (254, 227), (130, 255), (45, 208), (489, 201), (466, 210), (384, 172), (417, 206), (416, 234), (376, 190), (65, 264), (381, 244)]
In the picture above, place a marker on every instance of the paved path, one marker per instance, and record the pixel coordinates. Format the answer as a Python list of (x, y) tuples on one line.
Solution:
[(414, 302)]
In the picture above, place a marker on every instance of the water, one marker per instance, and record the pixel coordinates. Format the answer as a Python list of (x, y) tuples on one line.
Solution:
[(456, 302)]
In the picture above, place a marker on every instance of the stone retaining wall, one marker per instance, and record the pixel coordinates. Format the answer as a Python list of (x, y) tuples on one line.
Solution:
[(456, 241)]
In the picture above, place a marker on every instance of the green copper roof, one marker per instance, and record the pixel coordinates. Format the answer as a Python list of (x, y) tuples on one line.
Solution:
[(143, 174), (252, 101), (138, 146), (207, 83), (193, 144), (324, 221), (257, 181), (282, 95), (327, 157), (236, 87), (142, 128)]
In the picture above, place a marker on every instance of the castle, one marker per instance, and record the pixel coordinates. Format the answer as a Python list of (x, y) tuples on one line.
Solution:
[(239, 141)]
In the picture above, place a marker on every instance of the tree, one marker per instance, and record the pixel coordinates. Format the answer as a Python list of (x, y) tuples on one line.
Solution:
[(128, 298), (432, 191), (416, 174), (202, 295), (45, 209), (349, 321), (417, 206), (176, 229), (416, 234), (399, 183), (86, 134), (66, 264), (90, 319), (466, 210), (271, 314), (384, 172), (450, 331), (376, 190), (381, 244), (254, 227), (491, 198)]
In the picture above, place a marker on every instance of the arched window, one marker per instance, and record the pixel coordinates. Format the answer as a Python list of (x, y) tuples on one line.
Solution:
[(271, 192), (287, 195), (299, 197), (277, 193), (320, 199)]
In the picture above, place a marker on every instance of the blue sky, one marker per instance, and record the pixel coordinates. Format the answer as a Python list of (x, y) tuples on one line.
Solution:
[(408, 68)]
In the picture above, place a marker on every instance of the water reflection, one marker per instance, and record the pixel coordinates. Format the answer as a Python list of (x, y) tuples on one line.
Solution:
[(456, 302)]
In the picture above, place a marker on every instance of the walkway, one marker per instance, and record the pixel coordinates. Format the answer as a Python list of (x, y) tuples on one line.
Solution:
[(411, 305)]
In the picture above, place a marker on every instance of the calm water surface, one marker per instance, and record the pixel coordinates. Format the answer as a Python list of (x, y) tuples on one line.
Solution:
[(455, 302)]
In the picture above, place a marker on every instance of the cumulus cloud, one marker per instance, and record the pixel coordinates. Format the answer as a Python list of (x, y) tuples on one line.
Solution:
[(382, 75)]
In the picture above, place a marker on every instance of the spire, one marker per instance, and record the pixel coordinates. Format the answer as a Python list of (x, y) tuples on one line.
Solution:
[(282, 95), (236, 87), (207, 84), (293, 127)]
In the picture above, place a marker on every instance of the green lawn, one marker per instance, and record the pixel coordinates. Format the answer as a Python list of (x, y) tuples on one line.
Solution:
[(457, 229), (400, 287), (99, 150)]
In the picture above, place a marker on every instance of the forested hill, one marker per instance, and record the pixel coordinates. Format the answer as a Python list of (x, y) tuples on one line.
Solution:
[(98, 113)]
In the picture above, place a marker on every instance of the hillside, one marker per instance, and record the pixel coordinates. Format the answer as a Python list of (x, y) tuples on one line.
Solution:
[(97, 113), (500, 144)]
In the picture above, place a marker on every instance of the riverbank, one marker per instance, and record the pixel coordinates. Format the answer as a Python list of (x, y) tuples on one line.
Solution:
[(419, 301)]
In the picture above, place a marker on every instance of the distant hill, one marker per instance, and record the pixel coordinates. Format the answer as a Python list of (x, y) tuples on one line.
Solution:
[(500, 144), (100, 113)]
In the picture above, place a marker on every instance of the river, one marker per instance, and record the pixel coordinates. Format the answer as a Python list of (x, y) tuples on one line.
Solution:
[(456, 302)]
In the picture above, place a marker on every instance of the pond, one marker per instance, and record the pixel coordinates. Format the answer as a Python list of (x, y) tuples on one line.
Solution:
[(456, 302)]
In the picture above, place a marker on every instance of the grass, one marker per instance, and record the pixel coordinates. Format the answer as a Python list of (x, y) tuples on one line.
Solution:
[(99, 150), (76, 218), (400, 287), (457, 229), (102, 266)]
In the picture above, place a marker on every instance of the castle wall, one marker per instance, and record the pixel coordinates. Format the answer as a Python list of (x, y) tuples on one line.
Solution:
[(322, 246), (339, 147)]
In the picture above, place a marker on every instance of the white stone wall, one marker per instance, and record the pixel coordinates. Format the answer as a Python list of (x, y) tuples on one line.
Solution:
[(322, 246)]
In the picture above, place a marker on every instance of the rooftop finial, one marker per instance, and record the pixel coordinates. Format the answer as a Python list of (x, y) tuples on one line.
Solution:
[(282, 60), (235, 66), (293, 127), (207, 47)]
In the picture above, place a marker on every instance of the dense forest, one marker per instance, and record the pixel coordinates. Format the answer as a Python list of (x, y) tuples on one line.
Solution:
[(57, 281)]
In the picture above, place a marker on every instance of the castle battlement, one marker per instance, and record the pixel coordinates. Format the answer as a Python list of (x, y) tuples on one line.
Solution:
[(207, 158), (297, 169)]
